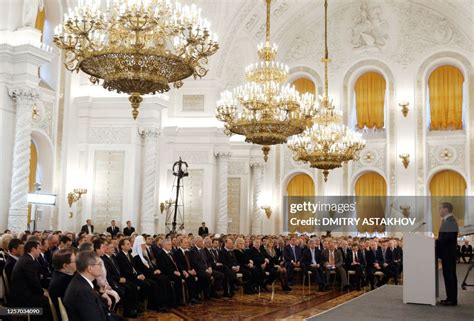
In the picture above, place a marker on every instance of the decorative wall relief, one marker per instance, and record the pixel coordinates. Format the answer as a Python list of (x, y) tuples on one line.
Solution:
[(370, 28), (442, 155), (42, 117), (238, 168), (192, 156), (109, 135), (233, 204)]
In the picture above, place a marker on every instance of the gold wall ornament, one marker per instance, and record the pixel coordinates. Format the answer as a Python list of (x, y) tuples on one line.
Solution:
[(35, 113), (446, 154), (405, 159), (75, 195), (368, 157), (136, 47), (328, 143), (264, 109), (267, 210), (404, 107), (405, 210)]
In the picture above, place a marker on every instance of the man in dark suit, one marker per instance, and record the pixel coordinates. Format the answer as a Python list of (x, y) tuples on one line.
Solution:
[(64, 263), (180, 256), (88, 227), (199, 263), (446, 251), (129, 229), (292, 257), (354, 262), (126, 289), (332, 261), (15, 251), (167, 266), (112, 229), (203, 230), (211, 247), (25, 286), (375, 263), (466, 251), (311, 259), (82, 302)]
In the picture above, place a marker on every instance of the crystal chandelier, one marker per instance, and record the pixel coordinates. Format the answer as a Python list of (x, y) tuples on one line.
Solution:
[(328, 143), (136, 47), (265, 110)]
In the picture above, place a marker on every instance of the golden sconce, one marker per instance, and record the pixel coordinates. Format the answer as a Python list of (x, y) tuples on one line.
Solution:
[(268, 211), (165, 205), (75, 195), (405, 109), (405, 159)]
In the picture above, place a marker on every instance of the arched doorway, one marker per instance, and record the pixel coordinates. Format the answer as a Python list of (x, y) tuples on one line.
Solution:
[(302, 187), (371, 191), (447, 186)]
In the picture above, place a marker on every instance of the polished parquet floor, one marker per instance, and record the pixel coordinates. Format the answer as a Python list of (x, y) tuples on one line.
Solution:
[(295, 305)]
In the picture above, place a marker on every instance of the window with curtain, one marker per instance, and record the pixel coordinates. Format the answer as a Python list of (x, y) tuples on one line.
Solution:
[(301, 185), (447, 186), (371, 192), (370, 100), (304, 85), (445, 86)]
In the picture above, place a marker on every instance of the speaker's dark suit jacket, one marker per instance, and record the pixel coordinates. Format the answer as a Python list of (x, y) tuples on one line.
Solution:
[(83, 303), (446, 250)]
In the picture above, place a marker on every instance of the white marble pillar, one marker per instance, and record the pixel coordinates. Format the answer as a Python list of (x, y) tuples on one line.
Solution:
[(25, 99), (222, 219), (149, 179), (257, 179)]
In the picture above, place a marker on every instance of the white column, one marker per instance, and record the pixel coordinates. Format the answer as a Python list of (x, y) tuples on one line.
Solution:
[(257, 178), (25, 98), (150, 151), (222, 220)]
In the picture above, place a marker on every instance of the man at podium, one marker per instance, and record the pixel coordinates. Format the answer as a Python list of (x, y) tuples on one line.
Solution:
[(446, 251)]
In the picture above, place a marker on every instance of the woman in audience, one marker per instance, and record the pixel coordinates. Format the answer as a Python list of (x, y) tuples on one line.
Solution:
[(245, 263), (276, 264)]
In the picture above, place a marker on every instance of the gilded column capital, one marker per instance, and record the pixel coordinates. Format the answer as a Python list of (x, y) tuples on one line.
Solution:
[(25, 94)]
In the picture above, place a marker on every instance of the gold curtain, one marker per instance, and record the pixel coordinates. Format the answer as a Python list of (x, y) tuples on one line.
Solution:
[(446, 87), (304, 85), (370, 100), (40, 18), (447, 186), (32, 177), (301, 185), (367, 189)]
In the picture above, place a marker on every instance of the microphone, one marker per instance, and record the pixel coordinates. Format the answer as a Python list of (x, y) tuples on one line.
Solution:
[(418, 227)]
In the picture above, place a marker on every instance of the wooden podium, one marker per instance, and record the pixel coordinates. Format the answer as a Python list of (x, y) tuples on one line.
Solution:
[(420, 270)]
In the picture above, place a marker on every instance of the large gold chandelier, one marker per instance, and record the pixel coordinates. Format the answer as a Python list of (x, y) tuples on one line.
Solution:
[(264, 109), (136, 47), (328, 143)]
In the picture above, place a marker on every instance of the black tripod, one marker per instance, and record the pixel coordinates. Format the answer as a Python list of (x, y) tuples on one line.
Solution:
[(464, 285), (176, 209)]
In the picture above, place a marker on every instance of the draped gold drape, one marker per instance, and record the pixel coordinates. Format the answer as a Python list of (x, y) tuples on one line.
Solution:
[(32, 177), (446, 91), (371, 192), (301, 185), (370, 100), (304, 85), (40, 18), (447, 186)]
